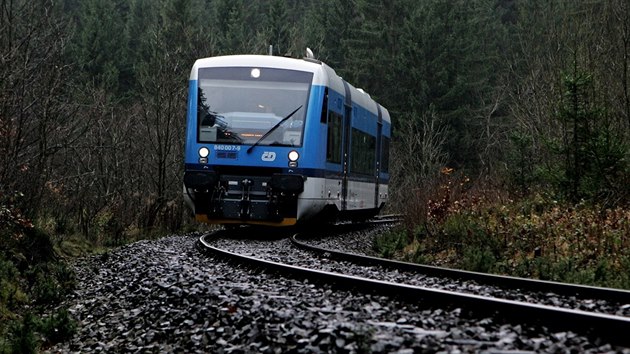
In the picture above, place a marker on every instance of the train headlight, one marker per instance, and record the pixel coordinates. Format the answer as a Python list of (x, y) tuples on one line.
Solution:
[(293, 157), (203, 155)]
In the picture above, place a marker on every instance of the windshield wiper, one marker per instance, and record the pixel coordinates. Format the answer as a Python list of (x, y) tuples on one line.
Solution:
[(272, 129)]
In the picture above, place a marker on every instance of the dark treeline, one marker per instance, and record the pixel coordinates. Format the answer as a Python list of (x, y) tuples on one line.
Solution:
[(531, 95)]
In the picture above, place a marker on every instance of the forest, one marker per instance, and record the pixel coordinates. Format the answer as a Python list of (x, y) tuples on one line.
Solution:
[(511, 122)]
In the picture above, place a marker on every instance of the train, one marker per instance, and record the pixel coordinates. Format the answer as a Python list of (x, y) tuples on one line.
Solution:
[(280, 141)]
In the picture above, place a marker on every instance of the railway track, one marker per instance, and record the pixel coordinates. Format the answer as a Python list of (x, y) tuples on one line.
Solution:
[(564, 289), (606, 326)]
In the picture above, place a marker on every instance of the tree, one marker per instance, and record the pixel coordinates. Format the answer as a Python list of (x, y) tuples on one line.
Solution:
[(592, 153), (100, 45), (172, 44), (277, 27), (328, 30), (35, 117), (563, 51), (234, 36)]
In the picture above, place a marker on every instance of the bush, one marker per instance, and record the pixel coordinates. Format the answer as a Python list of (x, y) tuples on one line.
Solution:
[(45, 289), (58, 328), (535, 237), (478, 259), (22, 335), (34, 247), (11, 295), (390, 243), (30, 273)]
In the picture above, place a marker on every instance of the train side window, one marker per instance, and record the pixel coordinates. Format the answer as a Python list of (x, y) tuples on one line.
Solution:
[(385, 155), (333, 149), (324, 107), (363, 152)]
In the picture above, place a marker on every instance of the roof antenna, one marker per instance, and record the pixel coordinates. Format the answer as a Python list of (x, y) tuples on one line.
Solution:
[(309, 53), (271, 49)]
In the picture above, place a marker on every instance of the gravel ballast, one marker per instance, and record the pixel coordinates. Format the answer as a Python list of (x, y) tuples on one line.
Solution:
[(166, 296), (283, 251)]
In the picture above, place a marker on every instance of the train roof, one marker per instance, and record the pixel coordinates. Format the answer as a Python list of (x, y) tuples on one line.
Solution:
[(322, 74)]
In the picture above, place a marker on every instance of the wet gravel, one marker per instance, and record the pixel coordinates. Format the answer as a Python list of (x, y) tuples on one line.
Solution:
[(166, 296)]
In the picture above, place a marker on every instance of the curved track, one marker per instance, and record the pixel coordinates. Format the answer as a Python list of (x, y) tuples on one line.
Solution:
[(580, 291), (609, 327)]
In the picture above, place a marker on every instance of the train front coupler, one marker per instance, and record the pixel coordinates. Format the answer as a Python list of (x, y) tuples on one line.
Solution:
[(246, 185)]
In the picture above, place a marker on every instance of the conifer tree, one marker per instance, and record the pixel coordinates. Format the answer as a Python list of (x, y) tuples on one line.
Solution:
[(277, 27)]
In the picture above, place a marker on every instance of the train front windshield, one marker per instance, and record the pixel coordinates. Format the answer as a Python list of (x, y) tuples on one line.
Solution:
[(241, 105)]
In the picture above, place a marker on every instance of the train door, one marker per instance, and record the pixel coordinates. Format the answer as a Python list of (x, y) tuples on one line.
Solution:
[(347, 127)]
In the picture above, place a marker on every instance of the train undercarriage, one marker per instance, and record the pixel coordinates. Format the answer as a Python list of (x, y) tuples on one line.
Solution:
[(244, 199)]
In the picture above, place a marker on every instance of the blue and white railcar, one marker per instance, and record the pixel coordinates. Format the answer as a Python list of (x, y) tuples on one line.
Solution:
[(276, 141)]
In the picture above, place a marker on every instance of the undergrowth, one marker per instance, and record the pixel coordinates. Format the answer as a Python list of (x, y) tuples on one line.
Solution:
[(535, 236), (33, 281)]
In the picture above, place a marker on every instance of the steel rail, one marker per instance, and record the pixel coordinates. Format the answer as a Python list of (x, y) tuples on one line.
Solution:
[(581, 291), (613, 329)]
